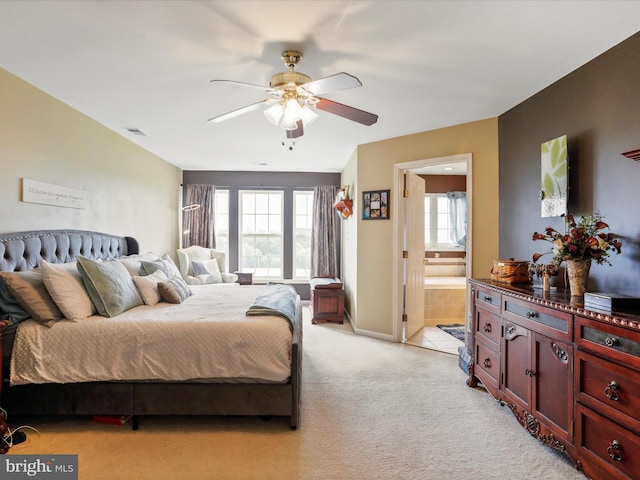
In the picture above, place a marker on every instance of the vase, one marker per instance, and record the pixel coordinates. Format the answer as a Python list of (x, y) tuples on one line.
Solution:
[(578, 273)]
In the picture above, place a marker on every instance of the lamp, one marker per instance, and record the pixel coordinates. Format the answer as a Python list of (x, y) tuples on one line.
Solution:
[(189, 208), (291, 109)]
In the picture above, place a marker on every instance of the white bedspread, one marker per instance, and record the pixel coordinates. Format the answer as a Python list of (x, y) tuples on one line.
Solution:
[(207, 337)]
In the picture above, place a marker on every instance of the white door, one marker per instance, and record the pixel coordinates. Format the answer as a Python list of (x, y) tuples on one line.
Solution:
[(413, 261)]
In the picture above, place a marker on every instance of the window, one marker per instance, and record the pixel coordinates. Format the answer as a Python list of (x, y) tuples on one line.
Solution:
[(302, 215), (261, 239), (437, 222), (222, 222)]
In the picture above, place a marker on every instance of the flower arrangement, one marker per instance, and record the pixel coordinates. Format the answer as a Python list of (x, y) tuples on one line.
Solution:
[(583, 240)]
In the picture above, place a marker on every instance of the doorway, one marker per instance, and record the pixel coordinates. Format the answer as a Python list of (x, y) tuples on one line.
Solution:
[(403, 295)]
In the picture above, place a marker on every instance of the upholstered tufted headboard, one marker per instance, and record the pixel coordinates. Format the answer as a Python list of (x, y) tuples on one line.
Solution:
[(25, 250)]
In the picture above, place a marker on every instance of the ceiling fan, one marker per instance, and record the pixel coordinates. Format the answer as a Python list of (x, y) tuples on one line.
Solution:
[(293, 97)]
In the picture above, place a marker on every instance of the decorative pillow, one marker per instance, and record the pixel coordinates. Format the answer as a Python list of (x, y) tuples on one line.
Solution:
[(110, 286), (165, 263), (10, 309), (64, 284), (174, 290), (148, 286), (133, 262), (208, 271), (29, 290)]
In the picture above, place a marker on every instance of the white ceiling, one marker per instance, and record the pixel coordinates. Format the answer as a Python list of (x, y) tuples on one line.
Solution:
[(423, 65)]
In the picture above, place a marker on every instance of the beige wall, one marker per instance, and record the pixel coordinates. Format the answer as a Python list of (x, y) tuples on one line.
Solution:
[(368, 275), (129, 190), (349, 250)]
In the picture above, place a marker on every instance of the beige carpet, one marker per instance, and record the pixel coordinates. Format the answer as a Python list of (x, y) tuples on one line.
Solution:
[(371, 410)]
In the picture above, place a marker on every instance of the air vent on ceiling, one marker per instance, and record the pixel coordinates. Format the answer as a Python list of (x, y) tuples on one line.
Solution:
[(633, 154), (136, 131)]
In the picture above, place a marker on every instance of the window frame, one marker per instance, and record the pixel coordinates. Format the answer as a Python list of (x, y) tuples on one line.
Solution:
[(432, 221), (241, 235), (294, 233)]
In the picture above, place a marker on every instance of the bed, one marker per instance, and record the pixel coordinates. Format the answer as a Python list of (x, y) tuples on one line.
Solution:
[(161, 384)]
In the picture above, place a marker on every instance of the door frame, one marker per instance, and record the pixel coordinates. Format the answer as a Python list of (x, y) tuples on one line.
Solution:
[(398, 222)]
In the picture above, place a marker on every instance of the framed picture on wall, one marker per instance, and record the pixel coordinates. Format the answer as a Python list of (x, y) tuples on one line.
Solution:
[(375, 205)]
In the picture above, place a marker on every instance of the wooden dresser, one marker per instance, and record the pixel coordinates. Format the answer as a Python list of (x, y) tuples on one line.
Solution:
[(571, 376)]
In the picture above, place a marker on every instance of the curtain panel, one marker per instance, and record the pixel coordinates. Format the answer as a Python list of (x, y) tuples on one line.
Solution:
[(458, 217), (324, 233), (199, 223)]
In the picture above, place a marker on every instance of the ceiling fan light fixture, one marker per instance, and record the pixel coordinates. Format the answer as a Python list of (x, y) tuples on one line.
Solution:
[(292, 113), (274, 113), (287, 113), (307, 115)]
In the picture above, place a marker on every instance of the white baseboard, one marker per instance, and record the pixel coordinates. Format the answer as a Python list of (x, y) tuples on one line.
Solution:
[(367, 333)]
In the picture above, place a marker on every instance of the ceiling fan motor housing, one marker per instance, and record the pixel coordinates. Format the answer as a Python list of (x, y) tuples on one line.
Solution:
[(289, 78)]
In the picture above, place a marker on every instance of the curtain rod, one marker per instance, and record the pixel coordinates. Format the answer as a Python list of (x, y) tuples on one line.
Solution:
[(261, 187)]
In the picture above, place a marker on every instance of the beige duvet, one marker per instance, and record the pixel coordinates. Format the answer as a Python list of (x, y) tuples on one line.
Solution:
[(206, 338)]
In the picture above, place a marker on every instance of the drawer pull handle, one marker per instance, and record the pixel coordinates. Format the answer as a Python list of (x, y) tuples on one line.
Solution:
[(530, 373), (511, 330), (487, 327), (487, 298), (487, 363), (612, 391), (611, 341), (531, 315), (615, 450)]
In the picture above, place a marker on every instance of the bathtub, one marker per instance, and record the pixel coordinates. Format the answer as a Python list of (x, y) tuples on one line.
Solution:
[(444, 300), (445, 283)]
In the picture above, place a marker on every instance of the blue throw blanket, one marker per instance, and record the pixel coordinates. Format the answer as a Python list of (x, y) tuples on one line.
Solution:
[(276, 299)]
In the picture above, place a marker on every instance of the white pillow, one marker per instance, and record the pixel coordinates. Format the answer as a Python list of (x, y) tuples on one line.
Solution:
[(148, 286), (65, 286), (207, 271)]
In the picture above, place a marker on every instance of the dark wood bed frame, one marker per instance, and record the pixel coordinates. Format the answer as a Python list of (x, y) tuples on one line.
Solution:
[(25, 250)]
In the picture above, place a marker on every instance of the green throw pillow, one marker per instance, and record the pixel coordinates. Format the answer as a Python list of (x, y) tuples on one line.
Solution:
[(110, 286)]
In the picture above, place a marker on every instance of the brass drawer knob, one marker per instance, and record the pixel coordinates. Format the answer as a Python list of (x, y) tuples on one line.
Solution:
[(615, 450), (611, 391)]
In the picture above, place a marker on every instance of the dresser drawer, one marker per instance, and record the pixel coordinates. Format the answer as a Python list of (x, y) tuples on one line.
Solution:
[(487, 364), (487, 299), (609, 388), (606, 449), (609, 341), (487, 326), (553, 323)]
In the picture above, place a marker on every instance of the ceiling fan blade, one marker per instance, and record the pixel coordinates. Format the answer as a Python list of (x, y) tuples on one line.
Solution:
[(351, 113), (298, 132), (250, 85), (239, 111), (333, 83)]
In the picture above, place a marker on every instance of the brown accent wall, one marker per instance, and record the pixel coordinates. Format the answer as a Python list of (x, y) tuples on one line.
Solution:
[(444, 183), (598, 108)]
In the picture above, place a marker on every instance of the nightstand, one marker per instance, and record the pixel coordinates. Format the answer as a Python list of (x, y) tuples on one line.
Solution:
[(244, 278)]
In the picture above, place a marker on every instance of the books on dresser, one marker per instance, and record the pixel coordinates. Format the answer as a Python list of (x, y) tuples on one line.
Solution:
[(611, 301)]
